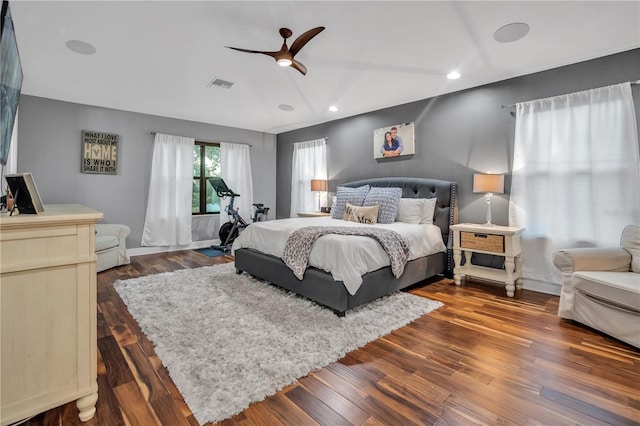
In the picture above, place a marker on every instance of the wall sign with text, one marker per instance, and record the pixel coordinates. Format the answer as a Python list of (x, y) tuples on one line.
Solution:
[(99, 153)]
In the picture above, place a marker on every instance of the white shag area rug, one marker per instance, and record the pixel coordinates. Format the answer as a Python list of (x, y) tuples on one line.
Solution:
[(230, 340)]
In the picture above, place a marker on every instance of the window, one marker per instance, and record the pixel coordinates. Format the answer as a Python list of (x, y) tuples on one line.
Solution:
[(206, 164), (575, 175), (309, 162)]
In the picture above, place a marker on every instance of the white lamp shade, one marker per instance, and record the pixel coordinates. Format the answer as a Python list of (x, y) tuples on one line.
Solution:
[(318, 184), (488, 183)]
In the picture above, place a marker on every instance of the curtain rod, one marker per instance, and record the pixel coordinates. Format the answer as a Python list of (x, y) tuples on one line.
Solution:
[(633, 83), (326, 139), (203, 140)]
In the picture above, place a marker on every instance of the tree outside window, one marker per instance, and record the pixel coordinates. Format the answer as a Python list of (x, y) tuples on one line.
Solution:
[(206, 164)]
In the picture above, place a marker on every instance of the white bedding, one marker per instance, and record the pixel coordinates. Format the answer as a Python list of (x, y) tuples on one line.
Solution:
[(346, 257)]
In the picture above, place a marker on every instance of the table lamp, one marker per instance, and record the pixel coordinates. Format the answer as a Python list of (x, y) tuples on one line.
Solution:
[(318, 185), (489, 184)]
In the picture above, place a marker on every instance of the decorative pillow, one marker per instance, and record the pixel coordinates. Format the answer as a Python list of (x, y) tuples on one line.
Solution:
[(429, 210), (345, 194), (361, 214), (387, 199), (410, 210)]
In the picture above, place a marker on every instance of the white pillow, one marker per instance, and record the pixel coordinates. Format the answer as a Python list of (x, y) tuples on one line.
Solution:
[(410, 210), (416, 210), (428, 210)]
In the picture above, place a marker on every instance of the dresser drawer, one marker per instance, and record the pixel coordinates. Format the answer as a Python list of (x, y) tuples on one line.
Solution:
[(480, 241), (46, 246)]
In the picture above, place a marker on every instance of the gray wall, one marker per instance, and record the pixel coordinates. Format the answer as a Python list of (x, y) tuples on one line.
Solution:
[(49, 146), (456, 134)]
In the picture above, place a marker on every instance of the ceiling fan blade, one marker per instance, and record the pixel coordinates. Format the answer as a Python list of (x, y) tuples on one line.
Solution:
[(285, 53), (304, 39), (272, 54), (297, 65)]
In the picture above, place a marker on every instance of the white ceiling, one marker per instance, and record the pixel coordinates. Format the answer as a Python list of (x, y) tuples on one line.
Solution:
[(158, 57)]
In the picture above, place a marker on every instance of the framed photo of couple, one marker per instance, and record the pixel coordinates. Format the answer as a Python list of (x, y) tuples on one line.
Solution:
[(394, 141)]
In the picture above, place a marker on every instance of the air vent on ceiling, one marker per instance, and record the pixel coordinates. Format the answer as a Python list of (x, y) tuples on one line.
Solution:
[(218, 82)]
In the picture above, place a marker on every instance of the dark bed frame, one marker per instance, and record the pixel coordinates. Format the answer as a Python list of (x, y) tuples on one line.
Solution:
[(320, 286)]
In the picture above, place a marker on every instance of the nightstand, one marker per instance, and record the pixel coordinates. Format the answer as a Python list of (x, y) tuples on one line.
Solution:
[(313, 214), (489, 239)]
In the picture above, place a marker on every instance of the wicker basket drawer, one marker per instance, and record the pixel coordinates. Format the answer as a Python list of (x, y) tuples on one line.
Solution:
[(479, 241)]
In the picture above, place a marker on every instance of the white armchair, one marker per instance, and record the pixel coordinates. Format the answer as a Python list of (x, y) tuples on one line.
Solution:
[(601, 286), (111, 248)]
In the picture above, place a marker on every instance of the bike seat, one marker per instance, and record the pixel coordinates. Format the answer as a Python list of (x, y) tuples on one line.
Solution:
[(259, 205)]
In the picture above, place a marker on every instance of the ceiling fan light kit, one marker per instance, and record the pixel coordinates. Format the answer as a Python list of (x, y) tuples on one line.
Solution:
[(285, 56)]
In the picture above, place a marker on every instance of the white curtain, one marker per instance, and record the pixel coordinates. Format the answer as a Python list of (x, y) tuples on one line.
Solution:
[(576, 178), (168, 218), (235, 170), (309, 162)]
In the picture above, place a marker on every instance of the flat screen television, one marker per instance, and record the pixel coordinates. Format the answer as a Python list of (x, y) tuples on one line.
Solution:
[(10, 80)]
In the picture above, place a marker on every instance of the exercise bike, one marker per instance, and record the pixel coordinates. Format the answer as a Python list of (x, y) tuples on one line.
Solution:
[(229, 231)]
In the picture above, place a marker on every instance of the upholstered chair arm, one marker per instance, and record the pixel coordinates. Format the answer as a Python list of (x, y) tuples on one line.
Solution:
[(593, 259), (117, 230), (120, 232), (586, 259)]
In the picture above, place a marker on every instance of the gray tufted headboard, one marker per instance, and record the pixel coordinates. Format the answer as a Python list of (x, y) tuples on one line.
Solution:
[(446, 207)]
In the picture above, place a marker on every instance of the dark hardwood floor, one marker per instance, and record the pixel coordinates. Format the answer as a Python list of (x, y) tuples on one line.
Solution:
[(483, 358)]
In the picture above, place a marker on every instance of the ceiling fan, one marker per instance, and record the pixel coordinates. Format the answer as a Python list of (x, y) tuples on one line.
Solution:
[(284, 56)]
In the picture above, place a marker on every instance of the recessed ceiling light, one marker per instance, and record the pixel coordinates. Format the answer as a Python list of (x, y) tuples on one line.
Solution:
[(453, 75), (285, 107), (81, 47), (511, 32), (333, 108)]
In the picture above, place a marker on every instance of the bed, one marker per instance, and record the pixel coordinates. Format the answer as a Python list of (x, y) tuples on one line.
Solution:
[(321, 287)]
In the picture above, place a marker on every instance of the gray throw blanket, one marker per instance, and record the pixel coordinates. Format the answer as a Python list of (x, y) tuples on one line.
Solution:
[(298, 247)]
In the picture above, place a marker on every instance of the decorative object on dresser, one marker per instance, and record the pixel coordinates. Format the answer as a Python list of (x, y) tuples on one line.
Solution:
[(489, 184), (601, 286), (230, 340), (489, 239), (48, 311), (352, 280), (26, 198)]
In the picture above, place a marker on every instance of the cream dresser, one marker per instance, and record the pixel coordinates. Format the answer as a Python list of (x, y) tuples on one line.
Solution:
[(48, 312)]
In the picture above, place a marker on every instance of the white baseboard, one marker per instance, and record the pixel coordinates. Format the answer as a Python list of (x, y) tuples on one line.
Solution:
[(141, 251), (541, 287)]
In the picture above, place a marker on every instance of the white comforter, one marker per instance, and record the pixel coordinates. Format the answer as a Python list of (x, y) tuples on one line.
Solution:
[(346, 257)]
